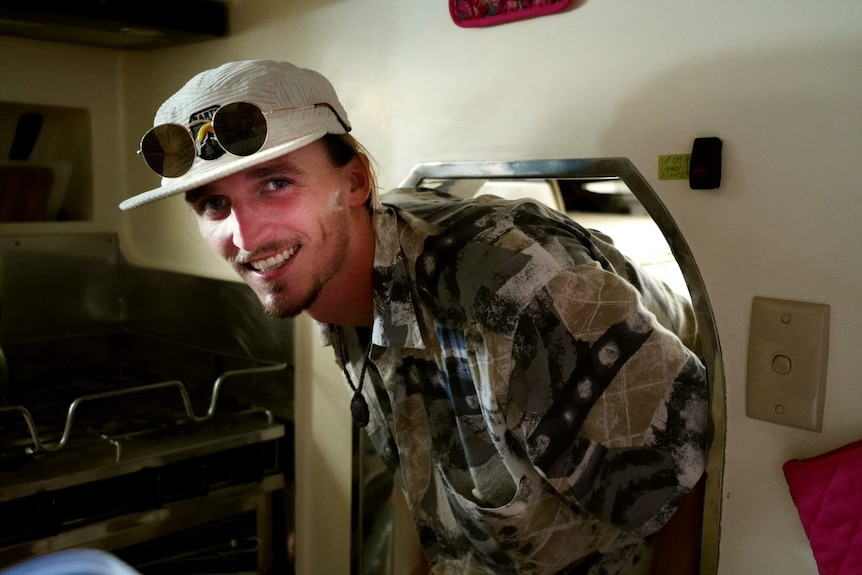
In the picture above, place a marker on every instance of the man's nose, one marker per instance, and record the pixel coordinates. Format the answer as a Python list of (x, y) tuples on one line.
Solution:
[(245, 228)]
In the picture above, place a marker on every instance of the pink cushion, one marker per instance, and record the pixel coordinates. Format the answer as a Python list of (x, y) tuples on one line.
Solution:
[(827, 491)]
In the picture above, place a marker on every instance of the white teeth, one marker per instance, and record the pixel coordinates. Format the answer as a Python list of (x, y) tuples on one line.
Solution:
[(273, 261)]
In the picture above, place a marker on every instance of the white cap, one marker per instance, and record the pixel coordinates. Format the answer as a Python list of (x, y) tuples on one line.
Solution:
[(271, 86)]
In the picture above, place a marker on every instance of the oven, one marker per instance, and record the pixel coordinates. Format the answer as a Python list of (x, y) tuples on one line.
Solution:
[(144, 413)]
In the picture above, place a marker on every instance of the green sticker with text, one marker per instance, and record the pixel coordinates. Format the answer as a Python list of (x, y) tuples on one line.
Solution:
[(673, 167)]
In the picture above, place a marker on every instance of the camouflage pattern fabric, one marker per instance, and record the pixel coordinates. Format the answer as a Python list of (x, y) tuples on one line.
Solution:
[(527, 387)]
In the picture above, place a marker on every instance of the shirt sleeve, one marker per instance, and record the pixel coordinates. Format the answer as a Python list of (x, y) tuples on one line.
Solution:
[(608, 404)]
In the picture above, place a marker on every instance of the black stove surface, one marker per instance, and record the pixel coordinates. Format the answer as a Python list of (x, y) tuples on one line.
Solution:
[(87, 408)]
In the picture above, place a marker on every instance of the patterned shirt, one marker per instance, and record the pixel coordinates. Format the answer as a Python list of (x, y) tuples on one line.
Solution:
[(528, 386)]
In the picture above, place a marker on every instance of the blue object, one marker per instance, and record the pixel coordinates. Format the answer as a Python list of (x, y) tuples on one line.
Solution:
[(72, 562)]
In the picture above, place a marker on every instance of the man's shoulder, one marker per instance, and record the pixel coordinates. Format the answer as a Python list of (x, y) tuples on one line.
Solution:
[(445, 210), (419, 201)]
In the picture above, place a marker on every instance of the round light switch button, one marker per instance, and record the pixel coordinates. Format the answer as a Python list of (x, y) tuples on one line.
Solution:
[(781, 364)]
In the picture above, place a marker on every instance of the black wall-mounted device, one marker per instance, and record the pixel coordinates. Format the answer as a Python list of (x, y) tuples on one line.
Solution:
[(704, 171)]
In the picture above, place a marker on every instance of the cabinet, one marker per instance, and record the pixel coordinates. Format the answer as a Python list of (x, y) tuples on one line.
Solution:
[(46, 166)]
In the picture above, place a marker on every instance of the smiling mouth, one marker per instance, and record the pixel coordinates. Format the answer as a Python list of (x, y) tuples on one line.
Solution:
[(272, 262)]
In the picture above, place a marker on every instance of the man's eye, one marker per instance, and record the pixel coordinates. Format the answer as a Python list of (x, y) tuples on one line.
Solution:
[(212, 205), (277, 184)]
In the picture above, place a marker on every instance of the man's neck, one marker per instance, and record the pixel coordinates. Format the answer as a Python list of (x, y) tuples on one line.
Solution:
[(348, 298)]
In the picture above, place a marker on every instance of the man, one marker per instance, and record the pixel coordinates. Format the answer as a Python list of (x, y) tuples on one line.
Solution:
[(524, 381)]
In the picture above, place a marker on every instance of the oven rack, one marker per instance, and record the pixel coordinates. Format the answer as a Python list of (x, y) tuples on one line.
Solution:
[(41, 446)]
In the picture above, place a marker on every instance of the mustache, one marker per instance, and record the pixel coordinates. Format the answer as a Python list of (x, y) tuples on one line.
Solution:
[(243, 258)]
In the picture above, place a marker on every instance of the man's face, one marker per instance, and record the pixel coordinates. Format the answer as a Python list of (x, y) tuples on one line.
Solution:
[(285, 225)]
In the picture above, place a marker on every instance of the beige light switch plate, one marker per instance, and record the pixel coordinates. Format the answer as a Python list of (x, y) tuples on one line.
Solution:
[(788, 348)]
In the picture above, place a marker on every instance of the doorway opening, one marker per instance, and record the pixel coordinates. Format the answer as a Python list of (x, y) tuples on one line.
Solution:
[(610, 195)]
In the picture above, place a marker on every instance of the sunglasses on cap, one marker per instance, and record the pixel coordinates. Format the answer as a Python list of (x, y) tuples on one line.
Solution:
[(238, 128)]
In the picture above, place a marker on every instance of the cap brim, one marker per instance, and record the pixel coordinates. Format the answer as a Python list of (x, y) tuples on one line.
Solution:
[(215, 170)]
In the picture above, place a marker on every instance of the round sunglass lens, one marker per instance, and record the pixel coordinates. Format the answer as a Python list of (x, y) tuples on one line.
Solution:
[(240, 128), (168, 150)]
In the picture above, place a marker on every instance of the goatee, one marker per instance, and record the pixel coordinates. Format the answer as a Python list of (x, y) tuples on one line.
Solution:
[(276, 308)]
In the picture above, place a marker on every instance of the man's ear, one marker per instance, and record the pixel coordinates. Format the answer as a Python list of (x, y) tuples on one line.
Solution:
[(359, 181)]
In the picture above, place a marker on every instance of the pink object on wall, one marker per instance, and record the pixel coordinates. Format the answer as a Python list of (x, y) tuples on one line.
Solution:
[(475, 13)]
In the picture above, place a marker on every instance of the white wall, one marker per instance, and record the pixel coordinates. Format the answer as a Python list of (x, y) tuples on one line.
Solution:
[(778, 80)]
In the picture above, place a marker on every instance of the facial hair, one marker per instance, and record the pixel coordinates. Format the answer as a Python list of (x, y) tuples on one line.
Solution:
[(285, 310), (337, 240)]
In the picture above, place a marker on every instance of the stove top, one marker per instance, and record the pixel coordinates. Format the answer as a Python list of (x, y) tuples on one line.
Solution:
[(86, 419)]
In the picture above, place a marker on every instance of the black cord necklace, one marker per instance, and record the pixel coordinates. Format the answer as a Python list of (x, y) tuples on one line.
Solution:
[(358, 405)]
